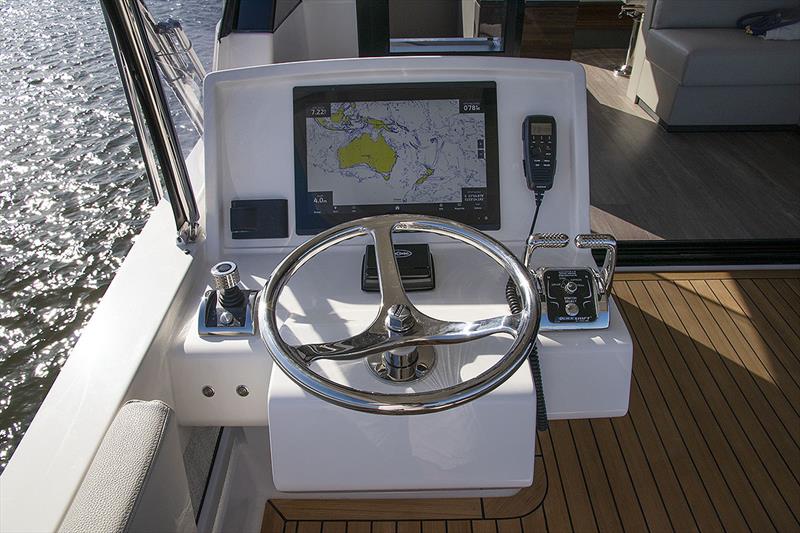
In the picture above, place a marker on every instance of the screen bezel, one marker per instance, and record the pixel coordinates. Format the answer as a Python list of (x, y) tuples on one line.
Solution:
[(308, 222)]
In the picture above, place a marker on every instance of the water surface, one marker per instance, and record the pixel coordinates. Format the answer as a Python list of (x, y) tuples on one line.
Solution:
[(73, 195)]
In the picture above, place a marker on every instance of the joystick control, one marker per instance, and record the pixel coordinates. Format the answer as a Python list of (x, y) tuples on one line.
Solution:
[(226, 281), (227, 309)]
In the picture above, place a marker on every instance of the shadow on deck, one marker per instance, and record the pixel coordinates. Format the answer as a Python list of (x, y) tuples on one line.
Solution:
[(711, 441)]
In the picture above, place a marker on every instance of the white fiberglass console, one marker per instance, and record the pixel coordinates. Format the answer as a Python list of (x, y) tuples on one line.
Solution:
[(323, 142)]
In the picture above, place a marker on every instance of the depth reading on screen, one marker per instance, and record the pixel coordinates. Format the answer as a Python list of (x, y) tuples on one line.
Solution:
[(421, 148)]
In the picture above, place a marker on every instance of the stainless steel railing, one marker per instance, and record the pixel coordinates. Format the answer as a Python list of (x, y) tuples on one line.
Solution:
[(178, 61), (151, 118)]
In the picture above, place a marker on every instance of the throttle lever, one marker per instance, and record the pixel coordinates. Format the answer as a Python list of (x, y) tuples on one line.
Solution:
[(574, 297), (601, 242), (544, 240)]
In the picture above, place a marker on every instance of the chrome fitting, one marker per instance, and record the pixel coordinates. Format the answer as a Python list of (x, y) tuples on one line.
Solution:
[(399, 319), (225, 275)]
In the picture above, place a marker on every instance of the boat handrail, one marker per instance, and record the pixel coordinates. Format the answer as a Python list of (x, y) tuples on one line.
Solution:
[(148, 104), (179, 63)]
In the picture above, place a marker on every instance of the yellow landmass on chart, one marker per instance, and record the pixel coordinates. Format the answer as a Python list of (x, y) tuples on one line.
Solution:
[(425, 175), (376, 123), (374, 153)]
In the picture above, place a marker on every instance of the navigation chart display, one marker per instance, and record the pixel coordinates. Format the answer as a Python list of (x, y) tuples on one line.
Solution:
[(407, 148)]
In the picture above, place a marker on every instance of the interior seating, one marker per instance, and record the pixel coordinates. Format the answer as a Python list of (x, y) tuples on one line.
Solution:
[(695, 68)]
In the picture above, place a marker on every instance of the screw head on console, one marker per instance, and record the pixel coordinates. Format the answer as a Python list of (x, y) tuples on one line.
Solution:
[(225, 275)]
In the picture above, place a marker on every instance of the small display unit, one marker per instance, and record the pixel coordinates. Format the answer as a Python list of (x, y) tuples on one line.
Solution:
[(423, 148)]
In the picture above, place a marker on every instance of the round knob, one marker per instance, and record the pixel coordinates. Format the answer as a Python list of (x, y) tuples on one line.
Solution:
[(571, 287), (400, 319), (226, 318), (225, 275), (571, 309)]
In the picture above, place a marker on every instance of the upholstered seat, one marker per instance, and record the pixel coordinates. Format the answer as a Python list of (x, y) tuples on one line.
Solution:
[(137, 481), (721, 56), (694, 68)]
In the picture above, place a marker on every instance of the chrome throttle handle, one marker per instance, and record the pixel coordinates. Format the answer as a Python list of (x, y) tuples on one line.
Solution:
[(601, 242), (544, 240)]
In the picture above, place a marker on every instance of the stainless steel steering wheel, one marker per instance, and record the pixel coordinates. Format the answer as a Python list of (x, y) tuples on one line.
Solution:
[(383, 336)]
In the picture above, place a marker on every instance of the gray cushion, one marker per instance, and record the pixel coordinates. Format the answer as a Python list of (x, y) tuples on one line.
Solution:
[(709, 13), (136, 482), (721, 57)]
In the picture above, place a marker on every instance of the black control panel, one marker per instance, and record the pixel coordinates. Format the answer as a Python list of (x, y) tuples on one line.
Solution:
[(414, 261), (570, 295), (260, 219), (539, 142)]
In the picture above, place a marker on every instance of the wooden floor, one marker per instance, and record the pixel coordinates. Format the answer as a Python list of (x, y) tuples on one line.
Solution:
[(711, 441), (647, 183)]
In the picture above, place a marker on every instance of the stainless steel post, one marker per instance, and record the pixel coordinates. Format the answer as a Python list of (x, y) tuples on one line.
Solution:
[(138, 71), (635, 12)]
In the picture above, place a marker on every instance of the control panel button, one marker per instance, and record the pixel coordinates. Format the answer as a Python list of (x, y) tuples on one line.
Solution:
[(572, 309)]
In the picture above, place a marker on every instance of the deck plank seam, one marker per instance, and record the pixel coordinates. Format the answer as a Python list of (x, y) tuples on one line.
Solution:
[(746, 301), (773, 298), (777, 359), (722, 457), (633, 484), (793, 284), (558, 469), (647, 408), (544, 515), (692, 422), (608, 480), (790, 299), (738, 388), (636, 387), (756, 295), (275, 507), (584, 475), (671, 454), (663, 400), (750, 379), (630, 476), (759, 323), (739, 354), (753, 447)]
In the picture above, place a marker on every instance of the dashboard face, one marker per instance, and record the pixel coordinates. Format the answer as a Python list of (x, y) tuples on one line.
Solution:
[(422, 148)]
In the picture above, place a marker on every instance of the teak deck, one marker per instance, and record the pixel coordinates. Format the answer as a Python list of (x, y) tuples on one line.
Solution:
[(711, 441)]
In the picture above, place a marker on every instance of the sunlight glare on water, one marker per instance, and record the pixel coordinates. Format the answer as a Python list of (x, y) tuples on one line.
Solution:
[(72, 190)]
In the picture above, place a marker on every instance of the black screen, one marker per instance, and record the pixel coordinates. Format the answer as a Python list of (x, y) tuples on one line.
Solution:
[(364, 150)]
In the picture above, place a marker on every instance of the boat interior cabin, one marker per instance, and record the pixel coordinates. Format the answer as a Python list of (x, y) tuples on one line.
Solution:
[(423, 273)]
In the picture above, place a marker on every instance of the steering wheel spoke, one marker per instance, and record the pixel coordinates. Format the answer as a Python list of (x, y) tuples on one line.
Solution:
[(427, 332), (442, 332), (356, 347), (389, 279)]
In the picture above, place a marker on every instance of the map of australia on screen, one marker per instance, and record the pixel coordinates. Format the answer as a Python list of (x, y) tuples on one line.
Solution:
[(395, 152)]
